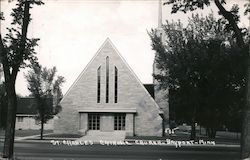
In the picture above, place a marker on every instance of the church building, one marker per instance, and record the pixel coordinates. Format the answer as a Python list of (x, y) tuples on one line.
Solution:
[(108, 97)]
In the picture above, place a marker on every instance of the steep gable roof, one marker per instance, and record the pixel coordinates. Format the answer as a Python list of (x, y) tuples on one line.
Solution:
[(78, 78), (150, 89), (106, 44)]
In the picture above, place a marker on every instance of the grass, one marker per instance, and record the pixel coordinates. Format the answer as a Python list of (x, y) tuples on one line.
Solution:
[(24, 133), (222, 137), (57, 136), (1, 134), (229, 135), (63, 136)]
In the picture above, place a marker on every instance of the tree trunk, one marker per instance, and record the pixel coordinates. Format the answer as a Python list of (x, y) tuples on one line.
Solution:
[(193, 130), (11, 121), (163, 125), (42, 125), (10, 73), (200, 130), (1, 112), (163, 128), (211, 132), (245, 135)]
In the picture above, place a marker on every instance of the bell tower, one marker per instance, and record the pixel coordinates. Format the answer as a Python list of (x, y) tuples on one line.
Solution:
[(160, 14), (161, 95), (159, 30)]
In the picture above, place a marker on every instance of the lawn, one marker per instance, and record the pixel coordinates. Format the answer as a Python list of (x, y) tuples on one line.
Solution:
[(24, 133), (222, 137), (57, 136), (1, 134), (63, 136)]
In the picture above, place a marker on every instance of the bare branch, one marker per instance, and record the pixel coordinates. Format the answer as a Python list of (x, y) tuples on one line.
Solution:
[(4, 60), (229, 16)]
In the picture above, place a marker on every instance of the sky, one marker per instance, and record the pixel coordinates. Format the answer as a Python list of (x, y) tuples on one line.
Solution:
[(72, 31)]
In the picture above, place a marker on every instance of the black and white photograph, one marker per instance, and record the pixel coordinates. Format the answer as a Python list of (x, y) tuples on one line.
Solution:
[(124, 80)]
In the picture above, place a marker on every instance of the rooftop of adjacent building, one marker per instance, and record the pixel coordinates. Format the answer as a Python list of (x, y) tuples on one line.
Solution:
[(29, 106), (150, 89)]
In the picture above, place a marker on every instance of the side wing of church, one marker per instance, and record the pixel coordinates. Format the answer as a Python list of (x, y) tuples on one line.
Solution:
[(108, 97)]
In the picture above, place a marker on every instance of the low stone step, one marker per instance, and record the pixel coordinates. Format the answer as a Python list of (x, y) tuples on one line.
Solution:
[(98, 135)]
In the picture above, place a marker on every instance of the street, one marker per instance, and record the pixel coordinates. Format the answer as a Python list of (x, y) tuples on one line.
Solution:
[(45, 151)]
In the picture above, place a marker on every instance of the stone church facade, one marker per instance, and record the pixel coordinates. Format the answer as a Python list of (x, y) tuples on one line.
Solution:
[(108, 97)]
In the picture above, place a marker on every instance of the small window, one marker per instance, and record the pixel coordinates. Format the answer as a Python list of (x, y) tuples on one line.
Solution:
[(119, 121), (94, 121), (107, 79), (37, 122), (99, 84), (19, 119), (116, 84)]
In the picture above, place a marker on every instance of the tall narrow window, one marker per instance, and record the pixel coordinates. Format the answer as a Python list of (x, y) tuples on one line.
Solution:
[(99, 84), (107, 79), (116, 83)]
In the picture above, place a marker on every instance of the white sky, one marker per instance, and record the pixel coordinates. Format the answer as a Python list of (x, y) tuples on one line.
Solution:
[(71, 32)]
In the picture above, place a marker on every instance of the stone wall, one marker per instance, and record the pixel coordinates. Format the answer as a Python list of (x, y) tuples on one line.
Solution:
[(29, 122), (131, 95)]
